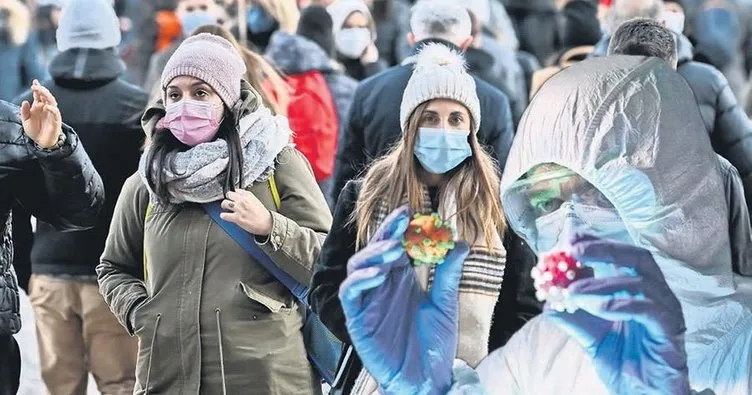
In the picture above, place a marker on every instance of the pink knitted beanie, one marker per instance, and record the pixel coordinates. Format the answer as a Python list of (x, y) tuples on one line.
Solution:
[(211, 59)]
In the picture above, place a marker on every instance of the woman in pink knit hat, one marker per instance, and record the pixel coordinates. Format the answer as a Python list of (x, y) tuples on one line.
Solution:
[(210, 318)]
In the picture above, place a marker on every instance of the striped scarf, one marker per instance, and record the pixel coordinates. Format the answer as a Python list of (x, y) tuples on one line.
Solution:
[(479, 287)]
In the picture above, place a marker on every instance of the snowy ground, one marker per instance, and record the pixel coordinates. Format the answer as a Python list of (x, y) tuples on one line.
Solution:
[(31, 380)]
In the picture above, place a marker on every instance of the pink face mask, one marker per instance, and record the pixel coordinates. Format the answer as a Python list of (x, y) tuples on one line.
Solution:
[(191, 122)]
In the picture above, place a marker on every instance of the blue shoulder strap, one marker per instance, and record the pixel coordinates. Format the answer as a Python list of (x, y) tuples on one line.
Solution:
[(247, 242)]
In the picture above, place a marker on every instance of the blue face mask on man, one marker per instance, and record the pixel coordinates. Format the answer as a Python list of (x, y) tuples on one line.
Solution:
[(441, 150)]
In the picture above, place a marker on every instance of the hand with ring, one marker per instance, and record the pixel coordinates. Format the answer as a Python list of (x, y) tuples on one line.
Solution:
[(245, 210)]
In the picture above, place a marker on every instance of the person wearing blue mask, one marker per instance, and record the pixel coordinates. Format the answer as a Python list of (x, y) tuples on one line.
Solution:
[(438, 166), (596, 170), (264, 17)]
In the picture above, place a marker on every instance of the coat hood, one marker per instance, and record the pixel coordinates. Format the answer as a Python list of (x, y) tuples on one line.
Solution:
[(89, 65), (630, 127), (295, 54)]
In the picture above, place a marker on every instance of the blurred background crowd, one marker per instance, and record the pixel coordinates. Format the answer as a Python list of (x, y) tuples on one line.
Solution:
[(312, 61)]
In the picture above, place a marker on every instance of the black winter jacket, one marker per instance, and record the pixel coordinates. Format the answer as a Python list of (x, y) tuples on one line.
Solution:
[(59, 187), (726, 122), (106, 112), (373, 125), (740, 231)]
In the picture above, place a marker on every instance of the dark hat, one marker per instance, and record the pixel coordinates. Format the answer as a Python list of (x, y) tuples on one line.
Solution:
[(579, 24), (316, 25)]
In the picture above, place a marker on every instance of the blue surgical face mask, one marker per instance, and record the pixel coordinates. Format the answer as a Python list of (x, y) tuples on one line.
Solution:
[(557, 228), (441, 150), (259, 21)]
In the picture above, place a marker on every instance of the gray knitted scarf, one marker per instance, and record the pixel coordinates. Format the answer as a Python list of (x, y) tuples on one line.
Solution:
[(197, 175)]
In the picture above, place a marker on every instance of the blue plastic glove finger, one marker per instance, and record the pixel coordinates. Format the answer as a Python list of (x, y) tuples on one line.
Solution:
[(351, 290), (620, 255), (447, 277), (394, 225), (381, 253)]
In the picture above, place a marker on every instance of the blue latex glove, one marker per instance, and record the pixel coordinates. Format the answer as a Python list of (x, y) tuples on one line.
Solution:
[(405, 337), (631, 324)]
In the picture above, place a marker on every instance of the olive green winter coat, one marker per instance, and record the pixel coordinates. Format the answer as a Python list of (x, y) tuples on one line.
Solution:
[(209, 315)]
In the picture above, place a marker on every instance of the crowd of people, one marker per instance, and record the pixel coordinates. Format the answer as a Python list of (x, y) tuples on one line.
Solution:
[(195, 193)]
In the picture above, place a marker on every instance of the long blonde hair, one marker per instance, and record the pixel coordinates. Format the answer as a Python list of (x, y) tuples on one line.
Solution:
[(395, 176), (259, 71)]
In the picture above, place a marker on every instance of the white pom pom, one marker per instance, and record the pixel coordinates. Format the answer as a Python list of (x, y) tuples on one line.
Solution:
[(434, 54)]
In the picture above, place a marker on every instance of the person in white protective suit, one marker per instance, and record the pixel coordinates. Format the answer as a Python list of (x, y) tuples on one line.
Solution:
[(620, 124), (606, 149)]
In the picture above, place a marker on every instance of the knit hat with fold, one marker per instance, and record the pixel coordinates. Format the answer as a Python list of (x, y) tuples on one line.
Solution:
[(211, 59), (88, 24), (439, 73)]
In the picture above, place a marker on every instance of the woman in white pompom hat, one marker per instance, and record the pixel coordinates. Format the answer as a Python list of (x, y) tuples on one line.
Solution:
[(438, 166)]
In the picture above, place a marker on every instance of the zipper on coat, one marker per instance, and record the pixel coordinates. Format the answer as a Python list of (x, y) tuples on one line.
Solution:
[(151, 353), (221, 353)]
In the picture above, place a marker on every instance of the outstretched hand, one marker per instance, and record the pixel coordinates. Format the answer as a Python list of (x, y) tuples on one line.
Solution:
[(631, 325), (41, 119), (405, 337)]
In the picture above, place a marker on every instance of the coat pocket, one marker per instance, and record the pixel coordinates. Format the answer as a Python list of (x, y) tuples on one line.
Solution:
[(146, 354), (271, 304)]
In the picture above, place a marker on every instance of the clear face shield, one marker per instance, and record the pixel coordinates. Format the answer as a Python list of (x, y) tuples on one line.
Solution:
[(551, 203)]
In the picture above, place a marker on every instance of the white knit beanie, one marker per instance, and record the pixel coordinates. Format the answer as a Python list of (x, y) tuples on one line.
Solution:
[(439, 73), (340, 10)]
